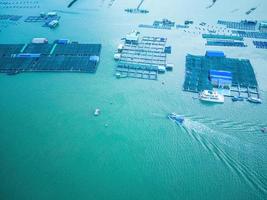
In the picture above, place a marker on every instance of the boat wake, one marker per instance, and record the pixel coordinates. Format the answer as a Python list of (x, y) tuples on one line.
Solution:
[(230, 126), (203, 135)]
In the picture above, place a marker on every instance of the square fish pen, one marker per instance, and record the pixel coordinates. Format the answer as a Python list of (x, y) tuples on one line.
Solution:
[(9, 49), (75, 49), (143, 59), (197, 74), (43, 49)]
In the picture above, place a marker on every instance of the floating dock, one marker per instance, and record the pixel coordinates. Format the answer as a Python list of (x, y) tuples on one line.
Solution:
[(16, 58), (197, 74)]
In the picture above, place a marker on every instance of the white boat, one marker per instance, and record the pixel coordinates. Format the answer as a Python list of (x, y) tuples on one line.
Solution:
[(97, 112), (254, 100), (118, 75), (178, 119), (53, 23), (211, 96), (117, 56), (120, 48), (39, 40)]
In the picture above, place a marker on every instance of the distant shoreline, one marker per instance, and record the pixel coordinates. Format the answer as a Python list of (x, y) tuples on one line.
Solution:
[(71, 3)]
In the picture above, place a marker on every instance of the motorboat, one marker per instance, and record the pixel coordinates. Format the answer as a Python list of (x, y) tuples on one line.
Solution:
[(117, 56), (120, 48), (97, 112), (178, 119), (238, 98), (264, 130), (211, 96), (254, 100)]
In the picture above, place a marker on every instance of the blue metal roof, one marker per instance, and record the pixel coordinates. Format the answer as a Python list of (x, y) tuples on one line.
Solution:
[(220, 73), (215, 54)]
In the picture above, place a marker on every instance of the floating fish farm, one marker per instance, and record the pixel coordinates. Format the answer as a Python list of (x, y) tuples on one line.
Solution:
[(242, 25), (197, 74), (225, 43), (57, 57), (10, 17), (224, 40), (138, 9), (260, 44), (19, 4), (143, 57), (250, 34), (46, 19), (223, 37), (163, 24)]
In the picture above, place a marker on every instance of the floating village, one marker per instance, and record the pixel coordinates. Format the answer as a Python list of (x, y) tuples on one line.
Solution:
[(213, 75)]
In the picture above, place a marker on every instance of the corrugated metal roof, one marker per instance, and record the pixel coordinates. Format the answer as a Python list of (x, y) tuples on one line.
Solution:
[(215, 54)]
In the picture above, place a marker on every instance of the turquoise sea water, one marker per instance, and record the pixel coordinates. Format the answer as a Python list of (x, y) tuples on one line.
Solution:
[(52, 147)]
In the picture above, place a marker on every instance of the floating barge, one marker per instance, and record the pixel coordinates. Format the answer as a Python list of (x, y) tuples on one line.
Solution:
[(70, 57), (197, 74)]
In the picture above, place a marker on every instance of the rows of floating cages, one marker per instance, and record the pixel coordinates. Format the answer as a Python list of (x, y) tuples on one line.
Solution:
[(251, 34), (214, 71), (4, 4), (225, 43), (260, 44), (242, 25), (145, 55), (224, 40), (166, 24), (136, 11), (10, 17), (40, 56)]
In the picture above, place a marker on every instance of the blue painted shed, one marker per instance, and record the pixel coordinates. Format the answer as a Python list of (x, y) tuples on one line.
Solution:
[(220, 78), (214, 54)]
